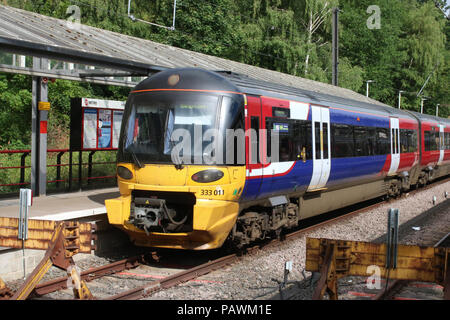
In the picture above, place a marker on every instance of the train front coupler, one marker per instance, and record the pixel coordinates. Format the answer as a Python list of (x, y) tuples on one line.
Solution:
[(153, 215)]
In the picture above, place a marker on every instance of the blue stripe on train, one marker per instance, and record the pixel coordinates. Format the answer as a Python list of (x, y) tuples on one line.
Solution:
[(297, 179), (351, 118), (343, 170)]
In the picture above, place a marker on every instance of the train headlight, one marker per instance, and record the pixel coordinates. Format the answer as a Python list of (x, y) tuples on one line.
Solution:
[(206, 176), (124, 173)]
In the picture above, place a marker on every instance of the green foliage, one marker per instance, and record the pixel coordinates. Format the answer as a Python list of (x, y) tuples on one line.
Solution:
[(291, 36), (15, 110)]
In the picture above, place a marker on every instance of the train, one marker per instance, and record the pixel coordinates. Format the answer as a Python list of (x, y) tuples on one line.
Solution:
[(213, 157)]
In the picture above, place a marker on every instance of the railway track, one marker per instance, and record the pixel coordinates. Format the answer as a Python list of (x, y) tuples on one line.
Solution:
[(197, 271)]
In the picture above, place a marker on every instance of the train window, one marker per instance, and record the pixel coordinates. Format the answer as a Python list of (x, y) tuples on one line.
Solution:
[(437, 140), (293, 138), (325, 140), (301, 139), (395, 147), (343, 143), (408, 140), (361, 138), (427, 140), (431, 139), (371, 141), (308, 142), (317, 137), (447, 140), (383, 145), (254, 125), (394, 140), (403, 141), (412, 140), (397, 141)]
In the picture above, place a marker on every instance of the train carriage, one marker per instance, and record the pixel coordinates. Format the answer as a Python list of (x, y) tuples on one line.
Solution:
[(283, 154)]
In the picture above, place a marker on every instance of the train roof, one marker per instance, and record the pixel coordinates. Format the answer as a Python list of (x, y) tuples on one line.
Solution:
[(428, 117), (258, 87)]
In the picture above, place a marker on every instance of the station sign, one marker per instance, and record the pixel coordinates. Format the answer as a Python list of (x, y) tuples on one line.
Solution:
[(95, 124)]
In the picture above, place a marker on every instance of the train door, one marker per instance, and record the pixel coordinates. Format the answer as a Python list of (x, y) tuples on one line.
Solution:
[(395, 145), (254, 165), (441, 143), (321, 148)]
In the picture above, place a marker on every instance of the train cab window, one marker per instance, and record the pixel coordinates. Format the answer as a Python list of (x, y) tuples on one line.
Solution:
[(343, 143)]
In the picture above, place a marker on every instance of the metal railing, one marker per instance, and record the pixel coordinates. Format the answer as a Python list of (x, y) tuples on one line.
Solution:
[(60, 153)]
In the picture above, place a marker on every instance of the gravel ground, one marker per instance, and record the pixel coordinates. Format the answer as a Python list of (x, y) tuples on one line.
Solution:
[(256, 276)]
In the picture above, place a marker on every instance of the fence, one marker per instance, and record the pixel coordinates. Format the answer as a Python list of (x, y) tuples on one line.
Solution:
[(60, 175)]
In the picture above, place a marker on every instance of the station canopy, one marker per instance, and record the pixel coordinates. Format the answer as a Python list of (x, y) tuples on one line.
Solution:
[(106, 57)]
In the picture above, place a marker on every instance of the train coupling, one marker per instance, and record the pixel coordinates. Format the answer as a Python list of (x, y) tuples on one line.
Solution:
[(148, 213), (155, 215)]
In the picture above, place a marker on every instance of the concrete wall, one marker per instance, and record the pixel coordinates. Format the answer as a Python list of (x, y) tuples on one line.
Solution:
[(12, 262)]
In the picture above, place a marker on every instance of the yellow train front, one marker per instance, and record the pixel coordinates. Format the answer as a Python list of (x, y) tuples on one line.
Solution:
[(179, 182)]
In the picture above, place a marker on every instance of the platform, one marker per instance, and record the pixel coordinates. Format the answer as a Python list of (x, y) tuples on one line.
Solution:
[(65, 206)]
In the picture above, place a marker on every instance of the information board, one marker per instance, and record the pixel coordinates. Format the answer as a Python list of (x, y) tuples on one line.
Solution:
[(95, 124)]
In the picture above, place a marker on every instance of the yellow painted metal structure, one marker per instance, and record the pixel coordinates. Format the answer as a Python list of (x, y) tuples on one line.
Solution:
[(40, 233), (336, 259), (61, 240), (215, 211)]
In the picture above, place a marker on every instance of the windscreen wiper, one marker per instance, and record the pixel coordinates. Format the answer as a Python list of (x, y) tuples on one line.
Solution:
[(136, 159), (134, 156)]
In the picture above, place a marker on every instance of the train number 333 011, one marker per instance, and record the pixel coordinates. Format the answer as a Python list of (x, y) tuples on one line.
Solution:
[(210, 192)]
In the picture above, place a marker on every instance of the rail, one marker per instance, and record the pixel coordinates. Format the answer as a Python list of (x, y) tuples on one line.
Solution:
[(60, 153)]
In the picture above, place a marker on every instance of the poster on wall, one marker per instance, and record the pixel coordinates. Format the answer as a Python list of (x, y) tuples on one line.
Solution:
[(104, 129), (90, 128), (117, 122)]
